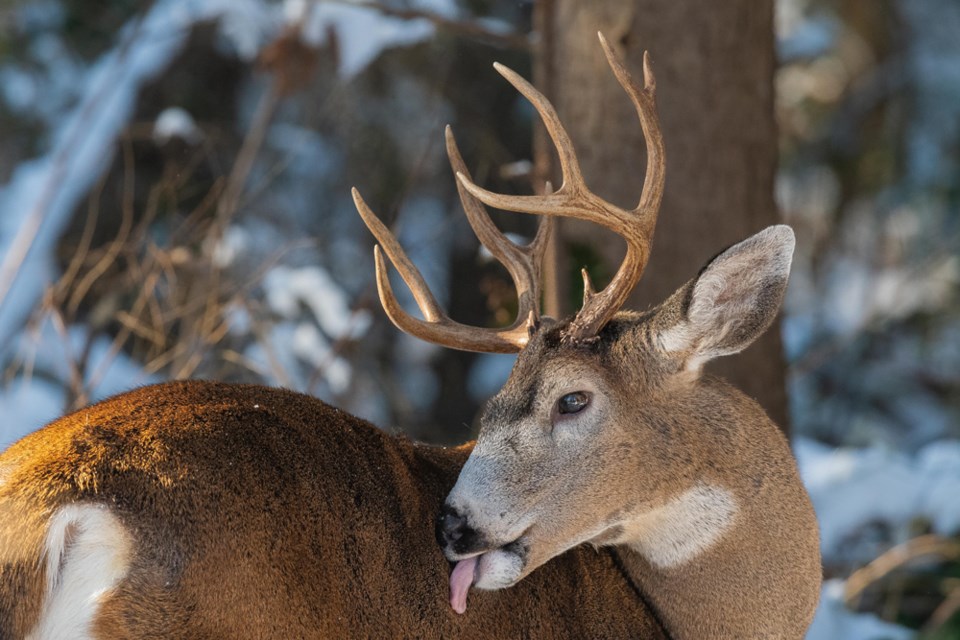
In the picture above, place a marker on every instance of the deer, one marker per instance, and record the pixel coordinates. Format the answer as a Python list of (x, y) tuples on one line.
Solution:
[(614, 490)]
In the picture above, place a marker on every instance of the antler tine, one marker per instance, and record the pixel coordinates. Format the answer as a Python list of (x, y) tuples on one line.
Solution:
[(575, 200), (410, 274), (569, 165), (523, 263), (538, 247), (436, 327), (644, 100)]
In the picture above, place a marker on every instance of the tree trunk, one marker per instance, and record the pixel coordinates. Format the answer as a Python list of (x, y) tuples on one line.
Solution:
[(714, 67)]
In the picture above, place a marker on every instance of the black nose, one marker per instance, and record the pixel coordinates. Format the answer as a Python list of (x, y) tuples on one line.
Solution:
[(453, 532)]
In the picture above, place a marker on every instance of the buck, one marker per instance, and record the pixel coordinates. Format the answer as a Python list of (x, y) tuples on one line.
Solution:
[(614, 490)]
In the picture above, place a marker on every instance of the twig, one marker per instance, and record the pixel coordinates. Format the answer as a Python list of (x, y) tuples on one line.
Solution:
[(266, 109), (898, 556), (126, 224), (77, 393), (118, 340), (27, 233), (83, 249), (944, 612)]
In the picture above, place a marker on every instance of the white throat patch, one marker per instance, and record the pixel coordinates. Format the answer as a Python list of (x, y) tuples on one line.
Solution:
[(683, 528)]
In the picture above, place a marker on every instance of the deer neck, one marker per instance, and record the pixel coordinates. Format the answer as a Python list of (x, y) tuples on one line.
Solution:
[(715, 563), (683, 528)]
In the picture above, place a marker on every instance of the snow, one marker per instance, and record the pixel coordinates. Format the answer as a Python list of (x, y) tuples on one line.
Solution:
[(852, 488), (860, 293), (176, 122), (834, 621), (287, 288), (363, 33), (311, 346), (272, 355), (19, 88), (238, 319), (49, 187), (234, 242), (515, 238), (245, 25), (107, 371), (30, 401), (308, 300)]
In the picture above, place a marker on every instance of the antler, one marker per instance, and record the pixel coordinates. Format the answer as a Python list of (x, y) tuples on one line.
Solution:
[(523, 264), (575, 200)]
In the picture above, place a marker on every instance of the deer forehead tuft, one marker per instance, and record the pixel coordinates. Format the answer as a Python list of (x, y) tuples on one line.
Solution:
[(514, 403)]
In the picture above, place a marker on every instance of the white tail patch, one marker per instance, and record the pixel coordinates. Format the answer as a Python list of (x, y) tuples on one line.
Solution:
[(683, 528), (86, 552)]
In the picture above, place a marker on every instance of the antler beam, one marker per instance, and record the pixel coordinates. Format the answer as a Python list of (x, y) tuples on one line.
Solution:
[(573, 198), (522, 262)]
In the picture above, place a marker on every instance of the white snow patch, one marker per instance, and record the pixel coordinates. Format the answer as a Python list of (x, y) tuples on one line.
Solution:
[(246, 24), (176, 122), (833, 621), (273, 356), (234, 242), (852, 488), (310, 345), (287, 288), (364, 33), (515, 238), (238, 319), (18, 87)]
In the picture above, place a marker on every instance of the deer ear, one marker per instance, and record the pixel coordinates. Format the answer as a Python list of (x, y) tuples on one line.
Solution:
[(733, 300)]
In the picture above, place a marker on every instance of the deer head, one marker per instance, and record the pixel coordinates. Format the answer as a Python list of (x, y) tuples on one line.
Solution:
[(605, 420)]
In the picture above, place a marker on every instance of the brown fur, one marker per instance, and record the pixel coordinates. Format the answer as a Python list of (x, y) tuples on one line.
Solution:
[(263, 513), (684, 475), (762, 579)]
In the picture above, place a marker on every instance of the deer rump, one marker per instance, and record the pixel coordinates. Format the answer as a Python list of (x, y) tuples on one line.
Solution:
[(335, 538)]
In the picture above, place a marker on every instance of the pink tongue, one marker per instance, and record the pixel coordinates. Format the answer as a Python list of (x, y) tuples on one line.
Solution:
[(460, 581)]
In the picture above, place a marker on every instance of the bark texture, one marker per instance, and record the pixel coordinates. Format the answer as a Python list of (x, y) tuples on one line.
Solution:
[(714, 68)]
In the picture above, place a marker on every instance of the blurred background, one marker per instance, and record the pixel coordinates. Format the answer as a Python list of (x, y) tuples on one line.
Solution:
[(175, 202)]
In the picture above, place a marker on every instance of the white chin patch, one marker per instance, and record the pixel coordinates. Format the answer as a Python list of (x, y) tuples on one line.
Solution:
[(498, 569)]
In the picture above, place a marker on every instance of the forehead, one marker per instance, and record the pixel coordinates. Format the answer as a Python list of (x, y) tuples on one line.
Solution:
[(540, 370)]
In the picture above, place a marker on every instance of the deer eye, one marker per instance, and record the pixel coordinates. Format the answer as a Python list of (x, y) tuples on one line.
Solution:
[(573, 402)]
